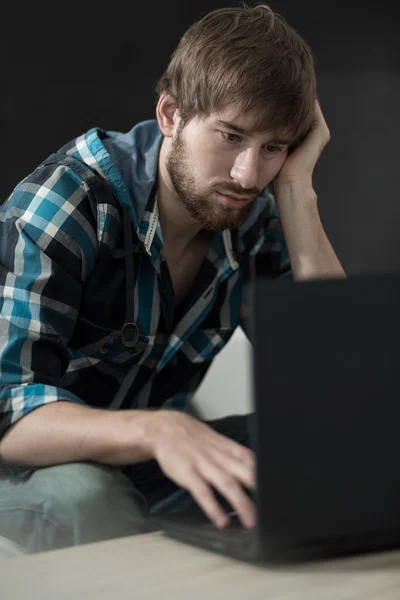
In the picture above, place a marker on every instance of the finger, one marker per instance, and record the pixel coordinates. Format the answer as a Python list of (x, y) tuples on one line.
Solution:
[(205, 498), (235, 448), (226, 484), (243, 471), (244, 454), (242, 459)]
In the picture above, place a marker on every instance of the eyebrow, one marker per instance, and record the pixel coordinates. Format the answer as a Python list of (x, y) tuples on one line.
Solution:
[(243, 131)]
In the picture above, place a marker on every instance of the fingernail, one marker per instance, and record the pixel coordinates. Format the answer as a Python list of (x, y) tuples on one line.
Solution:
[(251, 522), (223, 521)]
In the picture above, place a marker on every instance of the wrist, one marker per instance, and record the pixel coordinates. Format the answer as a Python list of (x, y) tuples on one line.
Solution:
[(135, 435), (295, 194), (294, 186)]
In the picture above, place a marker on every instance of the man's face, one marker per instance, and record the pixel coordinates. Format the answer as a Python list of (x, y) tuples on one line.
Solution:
[(218, 167)]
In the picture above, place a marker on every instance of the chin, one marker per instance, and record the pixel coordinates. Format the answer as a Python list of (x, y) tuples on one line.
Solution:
[(220, 226)]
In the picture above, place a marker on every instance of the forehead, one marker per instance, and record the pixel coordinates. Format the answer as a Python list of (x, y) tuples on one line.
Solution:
[(232, 113)]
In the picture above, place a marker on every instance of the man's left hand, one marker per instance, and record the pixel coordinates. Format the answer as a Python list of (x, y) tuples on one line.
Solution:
[(299, 165)]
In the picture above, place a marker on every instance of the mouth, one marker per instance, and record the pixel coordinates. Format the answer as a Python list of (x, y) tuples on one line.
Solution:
[(233, 201)]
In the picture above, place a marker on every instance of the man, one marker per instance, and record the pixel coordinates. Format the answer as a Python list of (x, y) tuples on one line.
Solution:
[(123, 262)]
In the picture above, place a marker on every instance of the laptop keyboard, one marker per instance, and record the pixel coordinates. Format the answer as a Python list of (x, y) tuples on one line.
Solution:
[(233, 530), (234, 537), (193, 526)]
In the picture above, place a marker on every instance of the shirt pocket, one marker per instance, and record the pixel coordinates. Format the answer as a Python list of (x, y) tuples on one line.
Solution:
[(106, 344)]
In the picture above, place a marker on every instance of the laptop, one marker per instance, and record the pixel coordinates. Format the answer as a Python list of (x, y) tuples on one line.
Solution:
[(326, 424)]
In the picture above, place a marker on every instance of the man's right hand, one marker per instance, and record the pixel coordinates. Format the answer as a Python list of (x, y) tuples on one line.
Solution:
[(197, 458)]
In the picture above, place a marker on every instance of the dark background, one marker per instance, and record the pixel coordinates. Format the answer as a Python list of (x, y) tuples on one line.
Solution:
[(71, 69)]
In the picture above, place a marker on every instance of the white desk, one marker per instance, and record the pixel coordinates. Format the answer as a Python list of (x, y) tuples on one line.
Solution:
[(155, 567)]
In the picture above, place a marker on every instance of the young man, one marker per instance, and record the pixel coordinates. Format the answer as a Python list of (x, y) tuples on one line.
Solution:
[(123, 262)]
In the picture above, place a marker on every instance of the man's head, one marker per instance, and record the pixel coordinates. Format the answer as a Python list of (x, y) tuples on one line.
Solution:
[(240, 81)]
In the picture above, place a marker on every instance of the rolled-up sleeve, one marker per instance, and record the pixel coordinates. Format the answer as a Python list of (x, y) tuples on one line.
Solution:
[(48, 246)]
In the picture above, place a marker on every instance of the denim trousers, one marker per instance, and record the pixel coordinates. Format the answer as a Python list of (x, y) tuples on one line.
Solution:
[(76, 503)]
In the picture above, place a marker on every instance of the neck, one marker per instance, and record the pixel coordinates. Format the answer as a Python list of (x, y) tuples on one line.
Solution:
[(176, 223)]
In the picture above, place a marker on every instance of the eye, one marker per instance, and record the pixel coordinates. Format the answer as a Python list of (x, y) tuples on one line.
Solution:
[(231, 137), (274, 148)]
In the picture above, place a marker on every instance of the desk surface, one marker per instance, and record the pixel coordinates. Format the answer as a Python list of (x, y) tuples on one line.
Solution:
[(153, 566)]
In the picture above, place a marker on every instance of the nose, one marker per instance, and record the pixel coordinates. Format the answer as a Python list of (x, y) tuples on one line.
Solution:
[(245, 169)]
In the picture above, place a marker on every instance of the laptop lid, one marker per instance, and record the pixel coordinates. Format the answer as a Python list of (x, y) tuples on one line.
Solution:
[(327, 399)]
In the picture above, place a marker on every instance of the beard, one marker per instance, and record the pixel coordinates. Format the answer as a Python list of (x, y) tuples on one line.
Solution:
[(202, 204)]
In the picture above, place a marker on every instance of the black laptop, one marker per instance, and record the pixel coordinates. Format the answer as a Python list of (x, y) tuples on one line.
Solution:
[(326, 423)]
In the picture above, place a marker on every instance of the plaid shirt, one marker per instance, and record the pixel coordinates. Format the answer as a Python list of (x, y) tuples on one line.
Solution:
[(63, 283)]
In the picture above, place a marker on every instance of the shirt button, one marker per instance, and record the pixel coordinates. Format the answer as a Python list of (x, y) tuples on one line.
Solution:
[(104, 349)]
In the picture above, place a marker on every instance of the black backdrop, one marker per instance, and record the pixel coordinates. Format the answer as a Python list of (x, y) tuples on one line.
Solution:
[(68, 69)]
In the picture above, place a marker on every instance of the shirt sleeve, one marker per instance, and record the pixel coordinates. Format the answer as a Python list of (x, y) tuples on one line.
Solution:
[(48, 246)]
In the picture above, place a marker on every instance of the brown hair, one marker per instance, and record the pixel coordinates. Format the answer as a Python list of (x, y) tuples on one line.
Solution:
[(248, 57)]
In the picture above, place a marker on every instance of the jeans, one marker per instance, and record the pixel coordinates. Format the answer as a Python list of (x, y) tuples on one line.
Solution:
[(76, 503)]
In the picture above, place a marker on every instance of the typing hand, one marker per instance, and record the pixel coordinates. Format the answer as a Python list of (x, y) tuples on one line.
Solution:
[(198, 459)]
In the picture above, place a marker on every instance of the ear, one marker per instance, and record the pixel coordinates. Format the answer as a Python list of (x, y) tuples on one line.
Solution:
[(167, 114)]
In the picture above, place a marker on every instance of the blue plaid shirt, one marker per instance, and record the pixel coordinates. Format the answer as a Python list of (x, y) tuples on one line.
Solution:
[(63, 282)]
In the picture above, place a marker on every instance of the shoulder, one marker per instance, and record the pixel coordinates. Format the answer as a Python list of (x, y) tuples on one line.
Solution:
[(48, 193)]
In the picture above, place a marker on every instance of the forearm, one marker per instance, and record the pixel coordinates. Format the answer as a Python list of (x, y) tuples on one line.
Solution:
[(310, 252), (63, 432)]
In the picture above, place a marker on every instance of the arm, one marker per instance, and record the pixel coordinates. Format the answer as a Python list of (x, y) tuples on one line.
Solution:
[(293, 240), (64, 432), (311, 254), (42, 269), (188, 451), (42, 274)]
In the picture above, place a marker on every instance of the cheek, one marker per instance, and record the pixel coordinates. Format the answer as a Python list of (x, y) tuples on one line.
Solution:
[(277, 164), (211, 164), (272, 168)]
